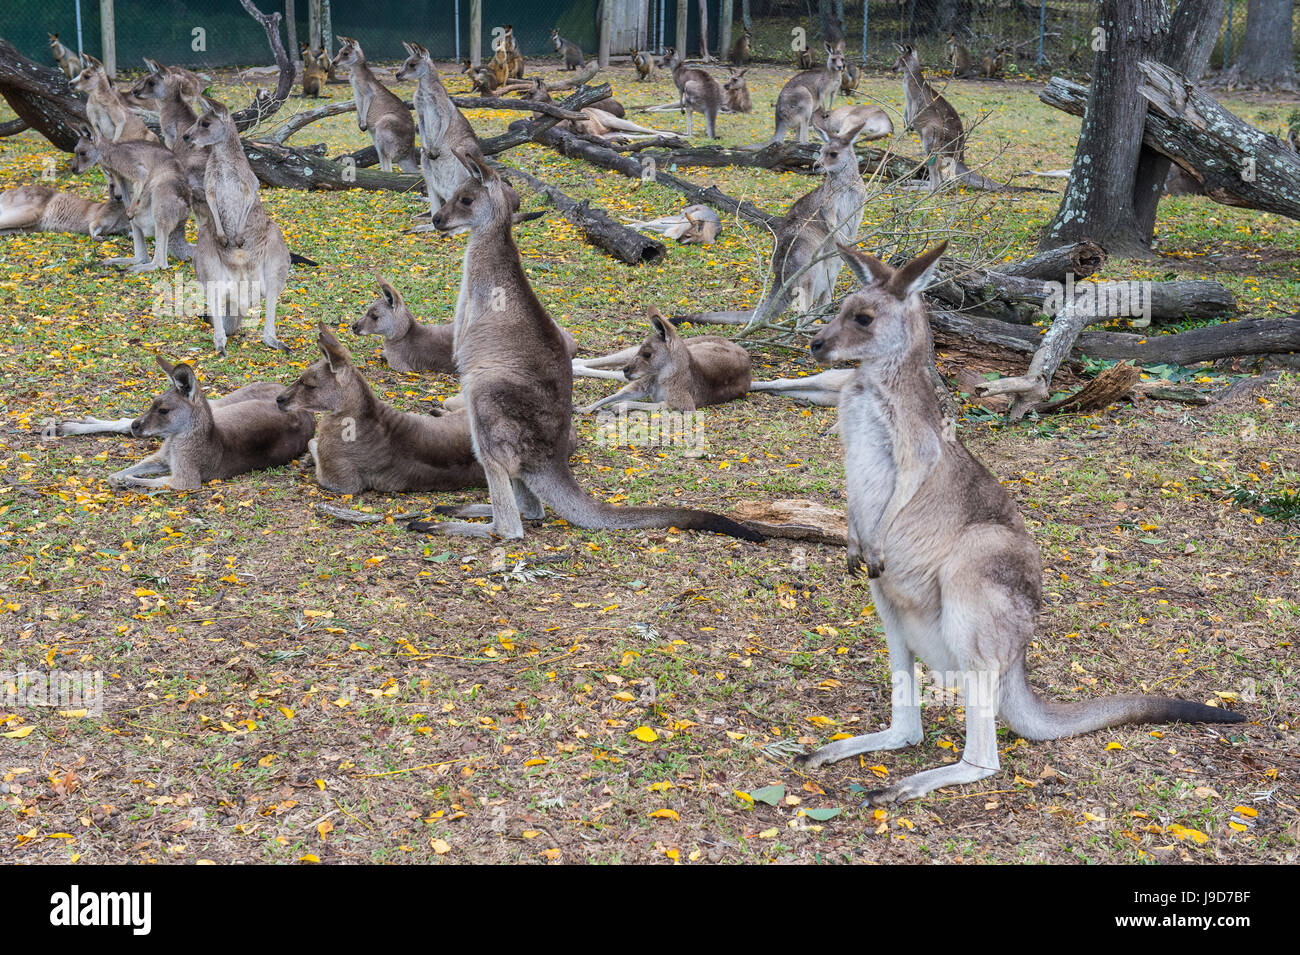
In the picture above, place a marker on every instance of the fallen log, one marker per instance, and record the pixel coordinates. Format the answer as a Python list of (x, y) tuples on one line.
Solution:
[(522, 131), (790, 157), (1079, 260), (624, 244), (287, 167), (13, 127), (1206, 141)]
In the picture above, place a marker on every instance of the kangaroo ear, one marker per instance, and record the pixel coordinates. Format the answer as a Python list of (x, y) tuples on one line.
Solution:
[(335, 354), (186, 382), (85, 132), (168, 368), (662, 326), (868, 269), (847, 136), (916, 275), (391, 295)]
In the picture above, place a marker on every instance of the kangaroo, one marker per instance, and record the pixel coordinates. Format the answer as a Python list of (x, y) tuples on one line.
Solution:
[(66, 59), (571, 52), (514, 59), (831, 211), (874, 121), (696, 225), (207, 441), (152, 185), (803, 93), (701, 93), (963, 66), (379, 112), (740, 48), (953, 573), (241, 256), (851, 78), (443, 129), (482, 80), (408, 345), (42, 209), (106, 109), (518, 384), (932, 116), (314, 74), (736, 91), (803, 59), (644, 63), (678, 373), (992, 65), (363, 444)]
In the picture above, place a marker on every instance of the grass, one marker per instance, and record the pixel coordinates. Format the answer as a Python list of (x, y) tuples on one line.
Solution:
[(282, 687)]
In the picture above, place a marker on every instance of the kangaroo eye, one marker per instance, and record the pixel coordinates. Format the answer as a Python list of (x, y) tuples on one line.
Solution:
[(163, 411), (466, 201), (862, 318)]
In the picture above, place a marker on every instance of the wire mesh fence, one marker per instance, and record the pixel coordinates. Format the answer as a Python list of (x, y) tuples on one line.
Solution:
[(1033, 34)]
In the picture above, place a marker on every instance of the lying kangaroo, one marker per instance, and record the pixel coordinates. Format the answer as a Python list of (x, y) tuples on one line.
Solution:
[(678, 373), (736, 93), (571, 52), (932, 116), (42, 209), (107, 111), (207, 441), (874, 122), (518, 384), (701, 93), (66, 59), (153, 189), (963, 67), (695, 225), (379, 112), (803, 93), (443, 128), (409, 345), (363, 444), (241, 256), (314, 73), (953, 573)]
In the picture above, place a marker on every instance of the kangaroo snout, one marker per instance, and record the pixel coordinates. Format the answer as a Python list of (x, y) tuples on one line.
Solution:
[(137, 428), (282, 400)]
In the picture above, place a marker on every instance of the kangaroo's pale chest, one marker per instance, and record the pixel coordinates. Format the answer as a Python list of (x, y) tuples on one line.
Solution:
[(866, 430)]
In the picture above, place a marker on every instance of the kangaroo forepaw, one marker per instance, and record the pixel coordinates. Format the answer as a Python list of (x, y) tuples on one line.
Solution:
[(273, 342)]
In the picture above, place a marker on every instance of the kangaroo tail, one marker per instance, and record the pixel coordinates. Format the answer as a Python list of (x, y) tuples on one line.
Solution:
[(296, 259), (557, 487), (1035, 718)]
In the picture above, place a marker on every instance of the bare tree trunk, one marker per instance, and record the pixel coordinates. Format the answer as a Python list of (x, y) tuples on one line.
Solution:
[(326, 27), (291, 28), (1267, 60), (1098, 201), (108, 36), (704, 30)]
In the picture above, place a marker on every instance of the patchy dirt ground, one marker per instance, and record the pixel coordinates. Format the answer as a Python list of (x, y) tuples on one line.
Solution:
[(283, 687)]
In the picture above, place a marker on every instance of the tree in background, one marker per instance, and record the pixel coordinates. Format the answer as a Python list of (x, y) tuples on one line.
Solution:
[(1267, 59)]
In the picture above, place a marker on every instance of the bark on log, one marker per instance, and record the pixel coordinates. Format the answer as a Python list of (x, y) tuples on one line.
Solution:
[(287, 167), (624, 244), (13, 127), (522, 131), (791, 157), (42, 97), (1079, 260)]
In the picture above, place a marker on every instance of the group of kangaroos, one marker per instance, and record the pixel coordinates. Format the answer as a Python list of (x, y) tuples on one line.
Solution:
[(953, 572)]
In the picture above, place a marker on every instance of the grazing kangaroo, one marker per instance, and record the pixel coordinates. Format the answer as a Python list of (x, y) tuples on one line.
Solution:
[(518, 384), (314, 74), (803, 93), (66, 59), (678, 373), (203, 441), (571, 52), (701, 93), (379, 112), (363, 444), (736, 91), (443, 128), (106, 109), (644, 63), (42, 209), (963, 66), (152, 185), (873, 121), (241, 256), (696, 225), (740, 48), (954, 575), (930, 115), (831, 212)]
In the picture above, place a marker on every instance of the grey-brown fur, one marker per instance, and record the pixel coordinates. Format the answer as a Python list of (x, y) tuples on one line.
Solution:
[(803, 93), (701, 93), (929, 114), (206, 441), (571, 52), (66, 59), (363, 444), (42, 209), (963, 66), (518, 384), (873, 122), (954, 575), (444, 130), (379, 112), (107, 110), (680, 373), (736, 91), (408, 345), (314, 73), (740, 48)]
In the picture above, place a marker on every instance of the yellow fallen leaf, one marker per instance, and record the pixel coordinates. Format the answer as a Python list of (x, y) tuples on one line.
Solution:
[(665, 814), (309, 858), (21, 733), (439, 846), (645, 734), (768, 834)]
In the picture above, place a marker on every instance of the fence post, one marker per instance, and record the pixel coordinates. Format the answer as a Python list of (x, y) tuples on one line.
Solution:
[(313, 24), (1042, 28), (725, 16), (108, 37), (1227, 39), (865, 4), (326, 28), (679, 40), (606, 23), (291, 28), (476, 32), (80, 49)]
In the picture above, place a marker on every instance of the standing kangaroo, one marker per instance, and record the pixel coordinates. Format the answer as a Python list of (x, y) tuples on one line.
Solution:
[(954, 575), (930, 115), (241, 256), (833, 211), (206, 441), (106, 109), (363, 444), (379, 112), (679, 373), (314, 74), (571, 52), (444, 131), (152, 185), (66, 59), (962, 64), (804, 92), (644, 63), (518, 384), (701, 93), (168, 87)]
